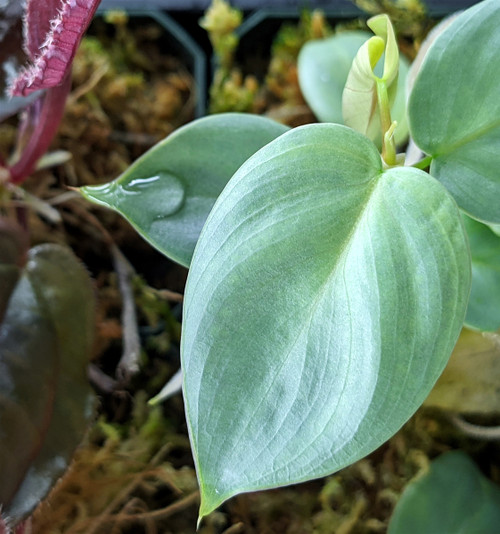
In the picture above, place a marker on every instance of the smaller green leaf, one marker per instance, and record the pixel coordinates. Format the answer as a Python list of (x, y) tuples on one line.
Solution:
[(454, 109), (45, 399), (483, 312), (168, 193), (452, 497), (424, 48)]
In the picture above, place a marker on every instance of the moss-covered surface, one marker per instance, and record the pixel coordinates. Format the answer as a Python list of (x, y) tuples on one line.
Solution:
[(138, 476)]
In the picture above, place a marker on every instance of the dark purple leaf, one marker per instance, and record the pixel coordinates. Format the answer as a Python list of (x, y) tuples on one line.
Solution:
[(45, 399), (40, 125), (13, 250)]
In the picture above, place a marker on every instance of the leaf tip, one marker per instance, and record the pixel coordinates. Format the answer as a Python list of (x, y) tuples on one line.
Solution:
[(98, 194), (210, 500), (154, 401)]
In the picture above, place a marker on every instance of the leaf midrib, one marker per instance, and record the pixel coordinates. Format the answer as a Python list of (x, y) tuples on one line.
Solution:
[(339, 260), (477, 134)]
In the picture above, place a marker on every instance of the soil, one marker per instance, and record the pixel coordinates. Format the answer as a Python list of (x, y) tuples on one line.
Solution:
[(135, 473)]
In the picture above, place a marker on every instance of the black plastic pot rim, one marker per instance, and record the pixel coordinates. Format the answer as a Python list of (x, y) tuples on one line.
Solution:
[(436, 8)]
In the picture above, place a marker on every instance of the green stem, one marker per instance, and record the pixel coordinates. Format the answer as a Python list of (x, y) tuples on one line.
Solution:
[(423, 163), (388, 144)]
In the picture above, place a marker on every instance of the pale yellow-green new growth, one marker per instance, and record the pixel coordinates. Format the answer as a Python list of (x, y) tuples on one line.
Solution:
[(367, 98)]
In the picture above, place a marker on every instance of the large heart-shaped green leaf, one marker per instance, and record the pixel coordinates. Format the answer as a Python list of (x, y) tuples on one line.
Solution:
[(324, 298), (168, 193), (453, 497), (45, 399), (454, 109), (483, 311)]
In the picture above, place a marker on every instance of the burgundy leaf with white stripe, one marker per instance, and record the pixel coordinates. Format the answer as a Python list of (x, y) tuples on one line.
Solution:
[(53, 31)]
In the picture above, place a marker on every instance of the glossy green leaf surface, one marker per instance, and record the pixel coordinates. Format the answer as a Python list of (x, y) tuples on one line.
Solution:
[(454, 109), (45, 398), (453, 497), (323, 301), (168, 192), (483, 311)]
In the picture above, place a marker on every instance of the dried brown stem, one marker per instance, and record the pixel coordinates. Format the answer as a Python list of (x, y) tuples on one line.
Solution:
[(172, 296), (235, 529), (163, 513), (488, 433), (129, 362), (101, 380)]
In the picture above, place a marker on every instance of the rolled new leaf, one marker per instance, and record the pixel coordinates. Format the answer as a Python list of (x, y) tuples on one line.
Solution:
[(323, 68), (360, 106), (45, 399), (323, 301), (168, 193), (454, 110)]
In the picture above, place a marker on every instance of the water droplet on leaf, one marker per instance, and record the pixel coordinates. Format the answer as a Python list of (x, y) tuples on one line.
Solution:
[(162, 195)]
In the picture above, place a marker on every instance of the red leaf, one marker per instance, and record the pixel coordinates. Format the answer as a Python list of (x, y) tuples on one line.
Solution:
[(42, 120), (53, 31)]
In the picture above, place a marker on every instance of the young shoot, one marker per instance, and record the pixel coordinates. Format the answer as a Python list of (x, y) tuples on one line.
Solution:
[(367, 98)]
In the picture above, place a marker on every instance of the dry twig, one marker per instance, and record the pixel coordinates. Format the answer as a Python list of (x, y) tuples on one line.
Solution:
[(488, 433)]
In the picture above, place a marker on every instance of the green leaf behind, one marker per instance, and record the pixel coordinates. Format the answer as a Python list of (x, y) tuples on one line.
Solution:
[(168, 192), (453, 497), (483, 312), (323, 66), (45, 399), (323, 301), (454, 109)]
